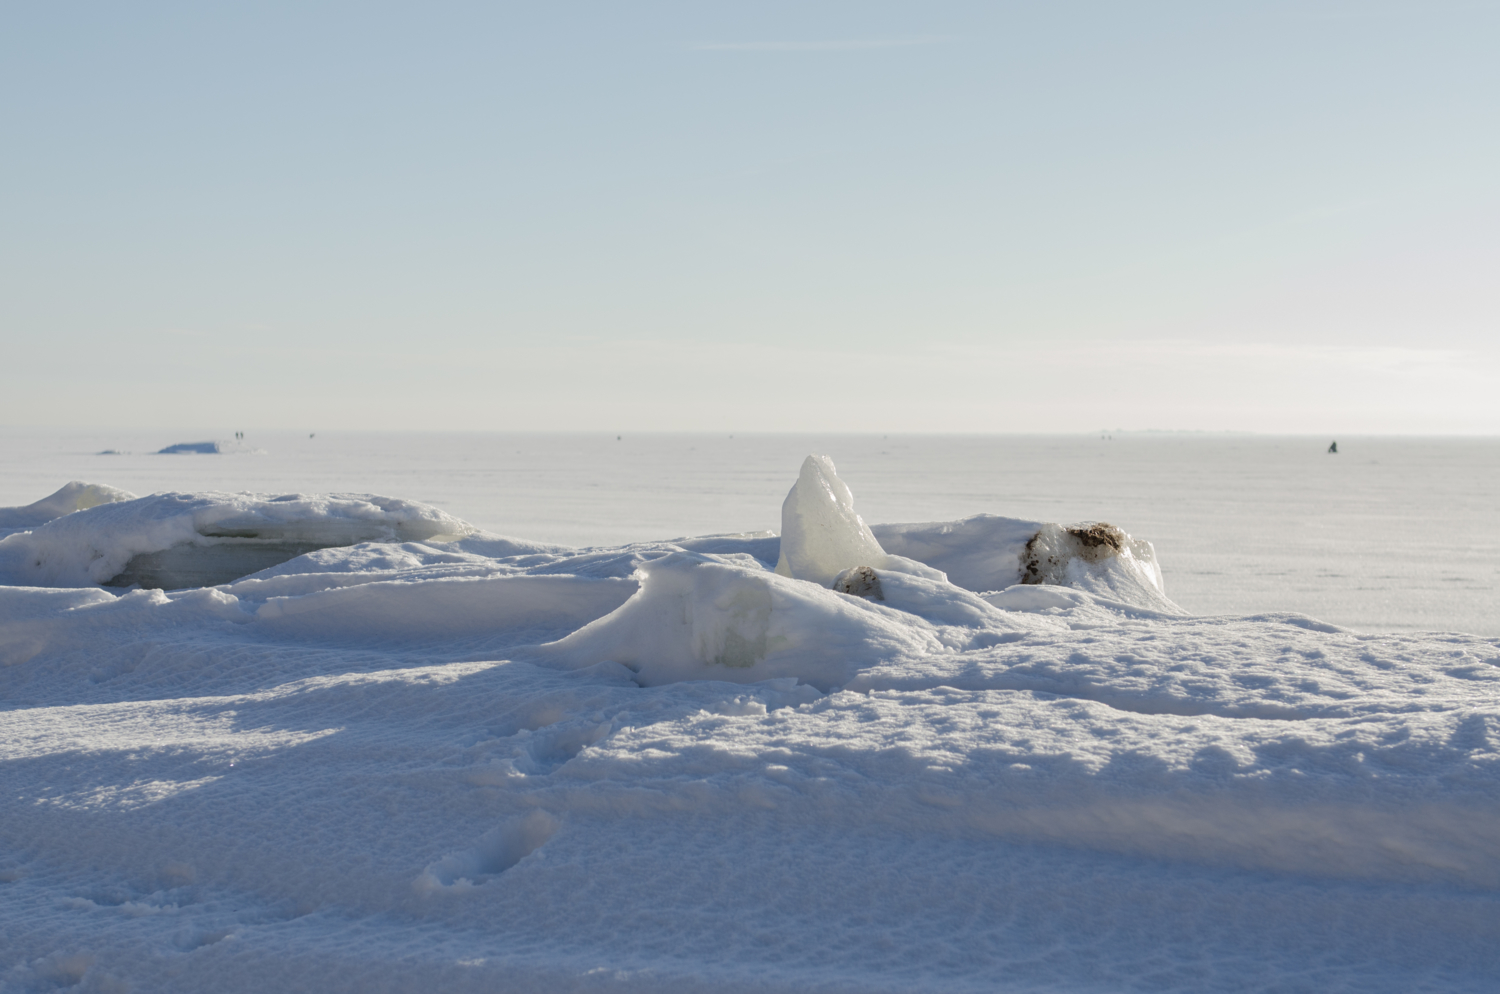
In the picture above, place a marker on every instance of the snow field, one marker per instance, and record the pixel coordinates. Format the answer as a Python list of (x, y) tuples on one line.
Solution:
[(485, 763)]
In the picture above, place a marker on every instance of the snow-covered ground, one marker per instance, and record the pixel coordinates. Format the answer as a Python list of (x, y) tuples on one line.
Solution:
[(980, 754), (1392, 534)]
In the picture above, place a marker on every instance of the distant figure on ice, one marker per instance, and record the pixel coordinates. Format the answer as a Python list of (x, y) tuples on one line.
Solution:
[(1333, 447)]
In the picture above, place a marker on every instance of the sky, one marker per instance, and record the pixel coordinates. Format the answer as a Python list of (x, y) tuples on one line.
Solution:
[(926, 217)]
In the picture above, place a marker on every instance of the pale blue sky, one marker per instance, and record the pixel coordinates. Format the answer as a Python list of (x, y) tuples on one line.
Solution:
[(950, 217)]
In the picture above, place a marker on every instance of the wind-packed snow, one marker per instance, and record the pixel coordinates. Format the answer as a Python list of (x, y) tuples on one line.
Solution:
[(438, 759)]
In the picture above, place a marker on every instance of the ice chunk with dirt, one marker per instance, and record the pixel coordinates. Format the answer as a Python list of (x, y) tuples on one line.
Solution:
[(74, 496), (860, 581), (1100, 558), (175, 540), (987, 553)]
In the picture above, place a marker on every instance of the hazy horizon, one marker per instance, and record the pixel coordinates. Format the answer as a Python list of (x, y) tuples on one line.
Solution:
[(1276, 217), (222, 434)]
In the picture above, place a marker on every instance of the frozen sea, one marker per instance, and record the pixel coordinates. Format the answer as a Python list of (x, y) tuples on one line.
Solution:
[(503, 723), (1391, 534)]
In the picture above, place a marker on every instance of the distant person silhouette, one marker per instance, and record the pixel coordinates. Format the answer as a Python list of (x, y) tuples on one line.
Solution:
[(1333, 447)]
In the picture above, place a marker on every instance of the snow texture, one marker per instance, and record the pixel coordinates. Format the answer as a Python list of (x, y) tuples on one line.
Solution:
[(435, 759)]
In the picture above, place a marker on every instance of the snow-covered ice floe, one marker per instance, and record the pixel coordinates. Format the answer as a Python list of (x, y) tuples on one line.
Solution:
[(174, 540), (203, 449), (344, 742)]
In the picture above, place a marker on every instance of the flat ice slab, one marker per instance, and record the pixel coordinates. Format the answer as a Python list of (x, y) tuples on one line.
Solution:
[(205, 449), (189, 448)]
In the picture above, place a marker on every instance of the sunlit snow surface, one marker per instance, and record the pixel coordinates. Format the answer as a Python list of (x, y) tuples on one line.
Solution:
[(1392, 534), (490, 764)]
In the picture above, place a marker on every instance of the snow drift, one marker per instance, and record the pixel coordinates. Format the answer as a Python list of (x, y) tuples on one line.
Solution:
[(74, 496), (970, 755), (702, 617), (174, 540)]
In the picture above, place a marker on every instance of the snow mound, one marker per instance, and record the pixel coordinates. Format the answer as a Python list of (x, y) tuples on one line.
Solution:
[(74, 496), (979, 553), (702, 617), (987, 553), (1100, 558), (174, 540)]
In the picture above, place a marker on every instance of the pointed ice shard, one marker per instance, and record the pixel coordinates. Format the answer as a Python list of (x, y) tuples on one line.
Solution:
[(821, 536)]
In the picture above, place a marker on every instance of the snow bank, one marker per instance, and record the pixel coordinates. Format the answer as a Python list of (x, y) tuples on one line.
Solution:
[(438, 608), (74, 496), (703, 617), (175, 540)]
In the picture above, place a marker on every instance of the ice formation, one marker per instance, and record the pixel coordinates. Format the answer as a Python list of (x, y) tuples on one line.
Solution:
[(1099, 557), (174, 540), (821, 535), (423, 758), (990, 553), (822, 538), (237, 447), (192, 448)]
